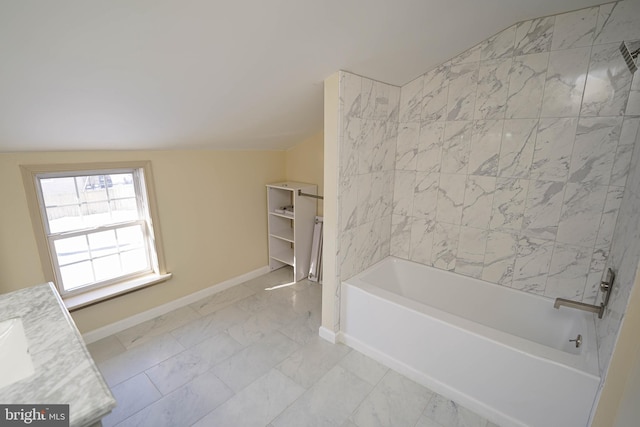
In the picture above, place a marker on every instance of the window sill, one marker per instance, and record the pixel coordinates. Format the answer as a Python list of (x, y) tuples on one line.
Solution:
[(94, 296)]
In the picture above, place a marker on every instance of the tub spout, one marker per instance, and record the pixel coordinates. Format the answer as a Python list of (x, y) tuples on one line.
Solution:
[(605, 286), (598, 309)]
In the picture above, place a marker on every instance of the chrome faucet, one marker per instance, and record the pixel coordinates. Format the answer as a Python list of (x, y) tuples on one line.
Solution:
[(605, 287), (599, 309)]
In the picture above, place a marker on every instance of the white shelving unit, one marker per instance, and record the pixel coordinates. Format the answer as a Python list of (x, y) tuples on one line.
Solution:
[(291, 235)]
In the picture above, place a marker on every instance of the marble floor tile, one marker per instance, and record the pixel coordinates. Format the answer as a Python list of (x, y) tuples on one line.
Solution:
[(131, 396), (208, 326), (257, 404), (448, 413), (138, 359), (105, 348), (424, 421), (221, 299), (395, 401), (328, 403), (306, 365), (199, 374), (145, 331), (177, 371), (303, 328), (260, 324), (217, 348), (183, 406), (252, 362), (364, 367)]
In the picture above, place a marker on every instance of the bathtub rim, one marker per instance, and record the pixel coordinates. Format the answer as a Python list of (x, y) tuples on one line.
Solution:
[(585, 363)]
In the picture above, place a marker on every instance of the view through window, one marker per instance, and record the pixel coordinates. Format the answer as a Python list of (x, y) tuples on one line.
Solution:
[(97, 227)]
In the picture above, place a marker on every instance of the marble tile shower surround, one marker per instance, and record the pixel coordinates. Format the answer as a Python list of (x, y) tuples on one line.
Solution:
[(368, 130), (512, 158), (624, 257), (510, 161)]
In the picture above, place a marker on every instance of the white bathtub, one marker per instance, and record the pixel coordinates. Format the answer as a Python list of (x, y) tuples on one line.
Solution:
[(502, 353)]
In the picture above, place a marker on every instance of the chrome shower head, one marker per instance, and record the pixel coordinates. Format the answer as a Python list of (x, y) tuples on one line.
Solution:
[(630, 51)]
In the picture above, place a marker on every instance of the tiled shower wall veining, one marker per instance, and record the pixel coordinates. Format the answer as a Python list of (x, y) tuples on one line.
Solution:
[(624, 259), (507, 163), (512, 157), (367, 150)]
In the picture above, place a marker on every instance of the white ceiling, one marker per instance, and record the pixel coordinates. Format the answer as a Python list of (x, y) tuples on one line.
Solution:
[(172, 74)]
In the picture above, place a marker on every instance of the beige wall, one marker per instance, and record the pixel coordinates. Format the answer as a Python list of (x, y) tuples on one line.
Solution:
[(212, 208), (305, 163)]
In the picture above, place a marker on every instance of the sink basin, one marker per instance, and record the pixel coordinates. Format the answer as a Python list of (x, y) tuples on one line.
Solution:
[(15, 360)]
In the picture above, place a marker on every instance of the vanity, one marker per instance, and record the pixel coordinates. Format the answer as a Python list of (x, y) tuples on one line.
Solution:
[(48, 362)]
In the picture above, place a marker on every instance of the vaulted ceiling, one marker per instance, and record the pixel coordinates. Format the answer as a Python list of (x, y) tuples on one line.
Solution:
[(213, 74)]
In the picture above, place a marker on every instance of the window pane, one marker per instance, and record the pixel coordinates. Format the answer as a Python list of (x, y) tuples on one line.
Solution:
[(88, 191), (77, 205), (130, 237), (58, 191), (124, 210), (76, 275), (103, 243), (107, 268), (122, 185), (133, 261), (72, 249), (96, 182), (64, 218), (96, 214)]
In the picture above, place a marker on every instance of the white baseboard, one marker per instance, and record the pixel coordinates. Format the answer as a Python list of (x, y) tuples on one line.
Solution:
[(121, 325), (328, 335)]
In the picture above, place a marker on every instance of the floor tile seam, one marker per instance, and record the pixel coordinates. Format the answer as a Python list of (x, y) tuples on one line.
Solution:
[(217, 332), (145, 406), (277, 367), (225, 305), (208, 313), (275, 417), (364, 399), (163, 396), (211, 371), (145, 372), (152, 338), (306, 390), (144, 369), (154, 386), (424, 411), (268, 422), (426, 405), (163, 332)]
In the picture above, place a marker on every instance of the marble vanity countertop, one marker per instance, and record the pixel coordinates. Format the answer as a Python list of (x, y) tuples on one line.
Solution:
[(65, 373)]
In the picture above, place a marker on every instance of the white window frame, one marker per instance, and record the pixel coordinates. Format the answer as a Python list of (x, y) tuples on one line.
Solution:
[(148, 219)]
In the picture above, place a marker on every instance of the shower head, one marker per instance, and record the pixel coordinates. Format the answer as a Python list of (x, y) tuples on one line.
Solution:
[(630, 52)]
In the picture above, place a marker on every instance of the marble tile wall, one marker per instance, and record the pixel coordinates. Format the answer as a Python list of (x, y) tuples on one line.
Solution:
[(367, 157), (512, 157), (624, 259)]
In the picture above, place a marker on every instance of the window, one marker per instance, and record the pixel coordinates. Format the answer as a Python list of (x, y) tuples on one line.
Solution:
[(97, 228)]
